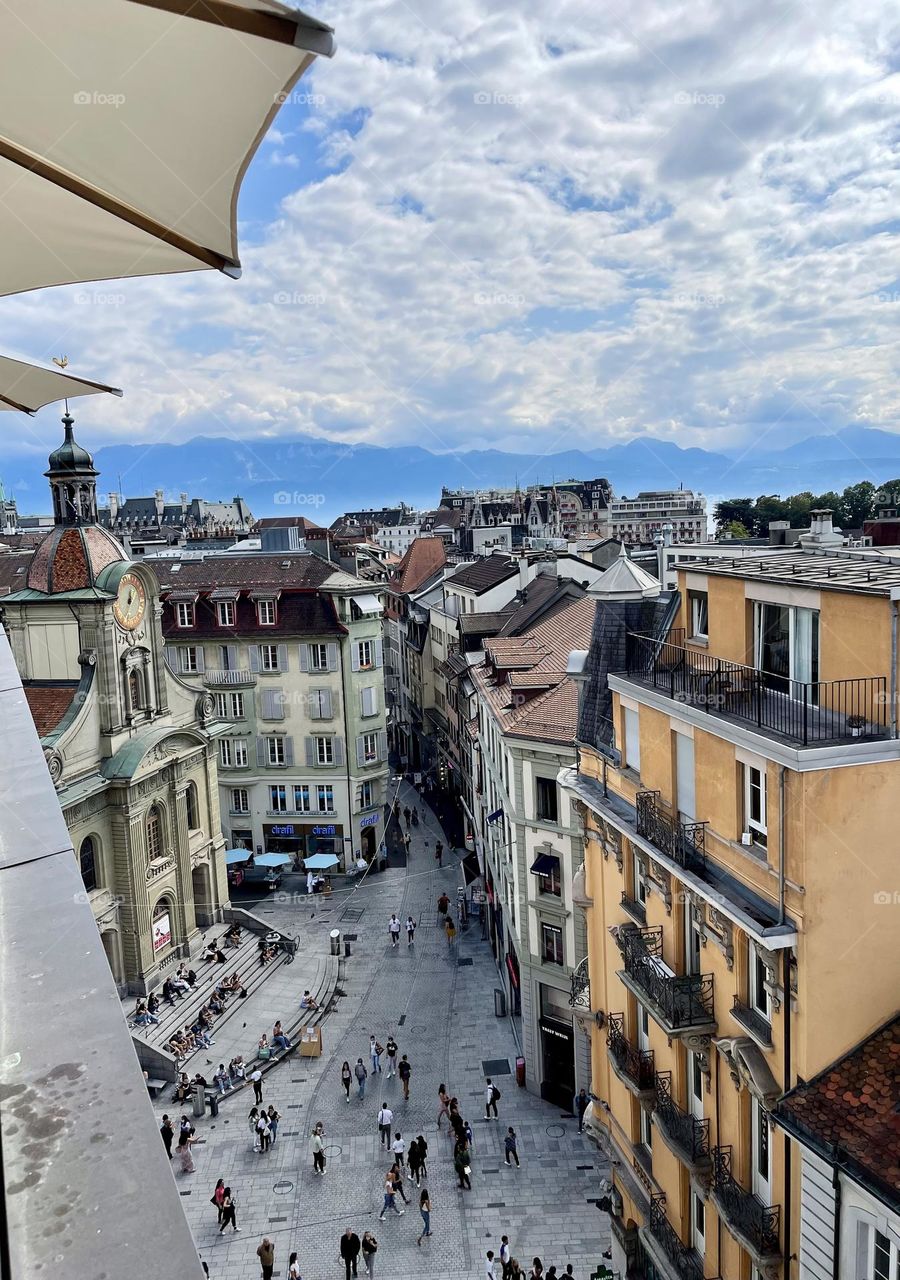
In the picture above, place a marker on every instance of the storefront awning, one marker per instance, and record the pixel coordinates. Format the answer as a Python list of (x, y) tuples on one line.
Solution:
[(544, 865), (471, 869)]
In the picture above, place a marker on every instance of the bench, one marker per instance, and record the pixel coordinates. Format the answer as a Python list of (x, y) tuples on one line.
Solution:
[(154, 1086)]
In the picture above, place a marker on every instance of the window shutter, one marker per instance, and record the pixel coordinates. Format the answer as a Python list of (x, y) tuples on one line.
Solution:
[(338, 750), (310, 750), (201, 658), (262, 755), (354, 656), (282, 657), (171, 656), (232, 656), (360, 750), (288, 750), (304, 657), (382, 745), (379, 652), (325, 704), (367, 700), (332, 657), (253, 651)]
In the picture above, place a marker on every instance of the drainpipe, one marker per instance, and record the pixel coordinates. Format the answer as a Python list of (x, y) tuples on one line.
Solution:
[(781, 843), (786, 1085), (837, 1185), (895, 597), (345, 694)]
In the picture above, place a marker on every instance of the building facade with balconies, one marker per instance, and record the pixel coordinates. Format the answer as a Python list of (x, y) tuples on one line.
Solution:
[(738, 768), (289, 650)]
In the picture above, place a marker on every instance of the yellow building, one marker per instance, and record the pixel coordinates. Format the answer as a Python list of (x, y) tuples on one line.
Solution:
[(738, 779)]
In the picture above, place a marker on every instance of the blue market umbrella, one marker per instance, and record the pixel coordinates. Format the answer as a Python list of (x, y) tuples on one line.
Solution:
[(320, 862), (272, 859), (234, 856)]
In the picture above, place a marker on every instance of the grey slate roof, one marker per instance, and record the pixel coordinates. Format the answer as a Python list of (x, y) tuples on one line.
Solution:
[(484, 574)]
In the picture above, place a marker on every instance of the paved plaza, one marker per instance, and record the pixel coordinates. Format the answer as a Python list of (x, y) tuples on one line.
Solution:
[(438, 1003)]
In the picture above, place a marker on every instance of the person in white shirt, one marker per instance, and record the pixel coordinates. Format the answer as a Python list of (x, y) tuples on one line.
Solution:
[(410, 931), (385, 1120), (394, 931), (504, 1255), (398, 1146), (489, 1273), (310, 882), (491, 1094)]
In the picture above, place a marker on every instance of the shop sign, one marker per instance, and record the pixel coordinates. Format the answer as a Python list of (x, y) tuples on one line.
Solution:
[(282, 831), (329, 830), (370, 821), (550, 1030)]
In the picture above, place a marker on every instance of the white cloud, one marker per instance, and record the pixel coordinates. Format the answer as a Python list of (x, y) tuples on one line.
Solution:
[(557, 225)]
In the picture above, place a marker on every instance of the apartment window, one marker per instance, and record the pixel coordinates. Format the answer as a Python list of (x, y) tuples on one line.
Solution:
[(366, 795), (365, 654), (233, 753), (325, 798), (275, 748), (758, 996), (320, 704), (698, 1224), (695, 1086), (230, 706), (786, 645), (646, 1130), (301, 799), (643, 1029), (369, 748), (225, 613), (265, 613), (685, 791), (550, 880), (87, 859), (698, 605), (552, 944), (278, 799), (755, 804), (189, 656), (240, 800), (632, 740), (227, 657), (184, 614), (639, 884), (547, 804), (324, 750), (226, 753), (318, 657), (268, 657), (692, 931), (368, 700), (884, 1262)]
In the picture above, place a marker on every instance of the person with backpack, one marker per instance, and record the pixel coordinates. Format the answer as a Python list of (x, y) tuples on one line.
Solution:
[(264, 1131), (361, 1076), (491, 1098)]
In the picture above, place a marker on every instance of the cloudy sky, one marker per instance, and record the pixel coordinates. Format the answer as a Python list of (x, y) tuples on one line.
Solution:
[(536, 226)]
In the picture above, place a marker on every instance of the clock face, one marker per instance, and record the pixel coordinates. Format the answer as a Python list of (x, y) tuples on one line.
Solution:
[(130, 603)]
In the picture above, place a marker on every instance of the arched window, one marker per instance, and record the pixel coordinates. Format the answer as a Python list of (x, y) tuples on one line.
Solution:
[(87, 858), (193, 808), (154, 834), (135, 692)]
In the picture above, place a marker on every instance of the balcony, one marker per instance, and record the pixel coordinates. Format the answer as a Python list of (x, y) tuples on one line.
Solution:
[(681, 1004), (758, 1026), (683, 842), (805, 714), (668, 1253), (635, 909), (634, 1067), (755, 1226), (225, 679), (682, 1133)]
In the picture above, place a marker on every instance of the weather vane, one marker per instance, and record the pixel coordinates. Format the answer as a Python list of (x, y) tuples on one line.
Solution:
[(63, 362)]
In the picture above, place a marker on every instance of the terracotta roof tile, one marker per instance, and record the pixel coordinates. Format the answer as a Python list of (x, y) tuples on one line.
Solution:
[(425, 557), (48, 704), (304, 570)]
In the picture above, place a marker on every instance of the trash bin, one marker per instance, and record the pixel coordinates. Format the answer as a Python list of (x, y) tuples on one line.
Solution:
[(520, 1072), (346, 948), (212, 1100), (499, 1003), (199, 1100), (335, 942)]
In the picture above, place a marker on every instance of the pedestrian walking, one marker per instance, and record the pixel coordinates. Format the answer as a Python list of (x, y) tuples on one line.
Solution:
[(390, 1050), (346, 1079), (415, 815), (350, 1246), (266, 1255), (410, 931), (317, 1147), (265, 1133), (229, 1212), (394, 931), (375, 1051), (412, 1160), (167, 1133), (369, 1249), (406, 842), (444, 1108), (510, 1146), (439, 853), (425, 1210), (407, 815), (505, 1256), (470, 1136), (489, 1272), (451, 931), (398, 1146), (385, 1121), (185, 1142), (361, 1076), (274, 1118), (252, 1119), (462, 1166), (443, 906), (423, 1155), (389, 1199), (491, 1098), (397, 1178), (294, 1267), (218, 1196), (404, 1071), (255, 1079), (579, 1106)]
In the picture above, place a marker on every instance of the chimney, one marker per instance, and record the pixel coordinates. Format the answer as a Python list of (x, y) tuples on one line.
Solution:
[(113, 507), (160, 503), (183, 499), (821, 531)]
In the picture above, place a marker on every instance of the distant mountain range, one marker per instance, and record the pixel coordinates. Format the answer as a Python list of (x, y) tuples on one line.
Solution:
[(321, 478)]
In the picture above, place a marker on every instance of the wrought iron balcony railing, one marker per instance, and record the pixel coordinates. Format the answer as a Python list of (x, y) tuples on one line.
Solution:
[(580, 992), (684, 1131), (810, 712), (755, 1023), (636, 1064), (752, 1222), (219, 679), (683, 842), (635, 909), (684, 1000), (685, 1262)]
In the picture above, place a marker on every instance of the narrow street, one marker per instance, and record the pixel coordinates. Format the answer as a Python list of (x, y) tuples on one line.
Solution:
[(438, 1003)]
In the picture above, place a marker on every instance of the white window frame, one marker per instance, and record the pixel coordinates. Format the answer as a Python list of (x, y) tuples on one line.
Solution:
[(698, 1223), (366, 795), (266, 651), (757, 827), (226, 753), (693, 940), (187, 659), (631, 729), (302, 798), (639, 876), (275, 750), (324, 750), (646, 1129), (758, 997), (365, 646), (237, 706), (318, 657), (184, 614), (266, 613), (370, 748), (278, 798), (698, 602), (695, 1083), (240, 800), (324, 795), (225, 613)]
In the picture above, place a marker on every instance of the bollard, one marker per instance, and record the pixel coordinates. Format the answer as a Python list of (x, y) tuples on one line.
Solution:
[(335, 942), (199, 1100), (346, 948)]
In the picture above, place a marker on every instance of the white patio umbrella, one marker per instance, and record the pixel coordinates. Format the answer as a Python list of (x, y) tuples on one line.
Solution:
[(28, 387), (126, 127)]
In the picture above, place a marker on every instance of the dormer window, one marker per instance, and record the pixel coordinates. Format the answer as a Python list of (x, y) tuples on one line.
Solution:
[(184, 613), (265, 613), (225, 613)]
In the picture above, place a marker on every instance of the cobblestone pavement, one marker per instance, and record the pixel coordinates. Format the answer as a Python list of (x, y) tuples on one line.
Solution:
[(438, 1003)]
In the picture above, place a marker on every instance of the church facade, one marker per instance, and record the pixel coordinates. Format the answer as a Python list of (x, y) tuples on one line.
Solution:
[(130, 747)]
